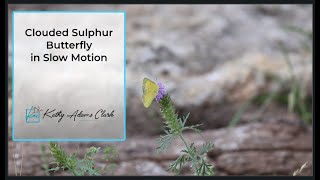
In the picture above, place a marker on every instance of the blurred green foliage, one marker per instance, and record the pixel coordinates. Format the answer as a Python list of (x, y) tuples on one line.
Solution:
[(293, 96), (44, 159), (71, 163)]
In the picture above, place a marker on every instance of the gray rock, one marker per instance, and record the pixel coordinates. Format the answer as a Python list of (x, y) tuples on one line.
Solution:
[(141, 168), (279, 147), (210, 57)]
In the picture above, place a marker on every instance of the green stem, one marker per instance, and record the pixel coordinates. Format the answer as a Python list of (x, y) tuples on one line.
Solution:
[(190, 151), (185, 142)]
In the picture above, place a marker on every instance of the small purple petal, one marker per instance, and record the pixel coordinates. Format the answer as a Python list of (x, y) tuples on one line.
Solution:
[(161, 92)]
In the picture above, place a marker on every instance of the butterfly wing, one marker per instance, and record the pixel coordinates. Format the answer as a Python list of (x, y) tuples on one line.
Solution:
[(150, 90)]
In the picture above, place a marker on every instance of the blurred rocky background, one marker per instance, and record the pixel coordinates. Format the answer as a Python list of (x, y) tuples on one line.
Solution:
[(243, 71)]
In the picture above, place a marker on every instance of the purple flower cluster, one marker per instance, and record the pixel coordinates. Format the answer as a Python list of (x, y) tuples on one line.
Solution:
[(161, 92)]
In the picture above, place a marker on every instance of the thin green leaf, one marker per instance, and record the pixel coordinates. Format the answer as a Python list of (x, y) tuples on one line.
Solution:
[(165, 141), (236, 118)]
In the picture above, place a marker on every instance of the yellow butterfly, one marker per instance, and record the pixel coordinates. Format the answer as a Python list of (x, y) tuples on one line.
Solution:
[(150, 90)]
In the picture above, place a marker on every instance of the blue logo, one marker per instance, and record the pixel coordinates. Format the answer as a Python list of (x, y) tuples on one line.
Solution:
[(33, 115)]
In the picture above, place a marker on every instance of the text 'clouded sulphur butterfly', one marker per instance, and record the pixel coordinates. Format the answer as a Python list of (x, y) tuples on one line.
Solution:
[(150, 90)]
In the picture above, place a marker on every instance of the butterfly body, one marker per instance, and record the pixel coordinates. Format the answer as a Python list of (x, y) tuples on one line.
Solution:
[(150, 90)]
